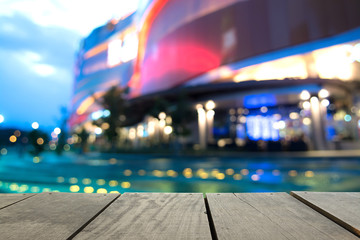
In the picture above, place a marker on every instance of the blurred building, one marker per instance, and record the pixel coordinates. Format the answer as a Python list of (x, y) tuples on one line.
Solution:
[(279, 70)]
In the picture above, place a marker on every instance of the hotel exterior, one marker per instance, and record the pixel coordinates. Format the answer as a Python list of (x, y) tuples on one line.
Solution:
[(255, 70)]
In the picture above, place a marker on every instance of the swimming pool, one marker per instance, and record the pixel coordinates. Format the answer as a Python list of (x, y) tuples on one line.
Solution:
[(150, 173)]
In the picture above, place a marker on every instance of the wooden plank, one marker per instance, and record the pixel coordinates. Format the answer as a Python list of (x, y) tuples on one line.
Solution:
[(343, 208), (51, 215), (151, 216), (10, 199), (269, 216)]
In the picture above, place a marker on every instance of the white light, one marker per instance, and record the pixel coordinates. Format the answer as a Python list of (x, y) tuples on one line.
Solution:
[(281, 124), (132, 133), (306, 105), (210, 114), (96, 115), (168, 130), (140, 131), (263, 109), (304, 95), (323, 93), (355, 53), (57, 131), (294, 115), (35, 125), (325, 102), (1, 118), (210, 105), (114, 52), (98, 130), (306, 121), (130, 48), (162, 115)]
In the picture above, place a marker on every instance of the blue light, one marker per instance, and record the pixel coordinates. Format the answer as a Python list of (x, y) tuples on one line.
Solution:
[(347, 118), (106, 113), (259, 100)]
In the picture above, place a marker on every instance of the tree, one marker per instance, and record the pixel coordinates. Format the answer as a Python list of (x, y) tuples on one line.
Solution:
[(38, 140), (62, 136)]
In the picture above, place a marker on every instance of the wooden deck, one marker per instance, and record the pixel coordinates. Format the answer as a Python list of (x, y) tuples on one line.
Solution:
[(300, 215)]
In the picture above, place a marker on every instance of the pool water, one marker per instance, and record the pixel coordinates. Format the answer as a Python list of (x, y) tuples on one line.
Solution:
[(149, 173)]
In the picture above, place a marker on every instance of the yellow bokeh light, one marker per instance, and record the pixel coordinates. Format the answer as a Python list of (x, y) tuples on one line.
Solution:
[(127, 172), (204, 175), (113, 183), (112, 161), (73, 180), (40, 141), (74, 188), (158, 173), (34, 189), (141, 172), (13, 138), (14, 187), (220, 176), (86, 181), (237, 176), (60, 179), (23, 188), (214, 172), (46, 190), (230, 171), (293, 173), (309, 174), (114, 192), (244, 172), (100, 182), (36, 159), (125, 185), (101, 190), (88, 189), (171, 173)]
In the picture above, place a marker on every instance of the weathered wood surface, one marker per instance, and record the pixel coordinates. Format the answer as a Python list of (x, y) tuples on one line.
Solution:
[(269, 216), (51, 215), (9, 199), (151, 216), (343, 208)]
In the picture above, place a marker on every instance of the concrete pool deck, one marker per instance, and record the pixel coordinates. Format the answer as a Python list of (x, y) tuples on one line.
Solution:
[(300, 215)]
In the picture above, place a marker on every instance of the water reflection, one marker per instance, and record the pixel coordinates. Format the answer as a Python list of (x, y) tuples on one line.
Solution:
[(136, 173)]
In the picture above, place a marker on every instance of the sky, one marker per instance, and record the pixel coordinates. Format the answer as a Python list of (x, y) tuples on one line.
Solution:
[(38, 44)]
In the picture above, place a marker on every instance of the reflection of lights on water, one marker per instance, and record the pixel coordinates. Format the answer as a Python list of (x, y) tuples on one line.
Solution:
[(158, 173), (73, 180), (34, 189), (237, 176), (171, 173), (101, 190), (88, 189), (276, 172), (74, 188), (229, 171), (214, 172), (187, 173), (127, 172), (141, 172), (293, 173), (220, 176), (86, 181), (100, 182), (114, 192), (244, 172), (113, 183), (259, 172), (125, 185), (204, 175), (255, 177), (14, 187), (23, 188), (46, 190), (309, 174), (60, 179), (112, 161)]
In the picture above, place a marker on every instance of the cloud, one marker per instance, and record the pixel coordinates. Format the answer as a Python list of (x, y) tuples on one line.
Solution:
[(36, 75)]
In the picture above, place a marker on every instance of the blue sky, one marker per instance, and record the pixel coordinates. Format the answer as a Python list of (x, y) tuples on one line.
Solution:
[(38, 43)]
